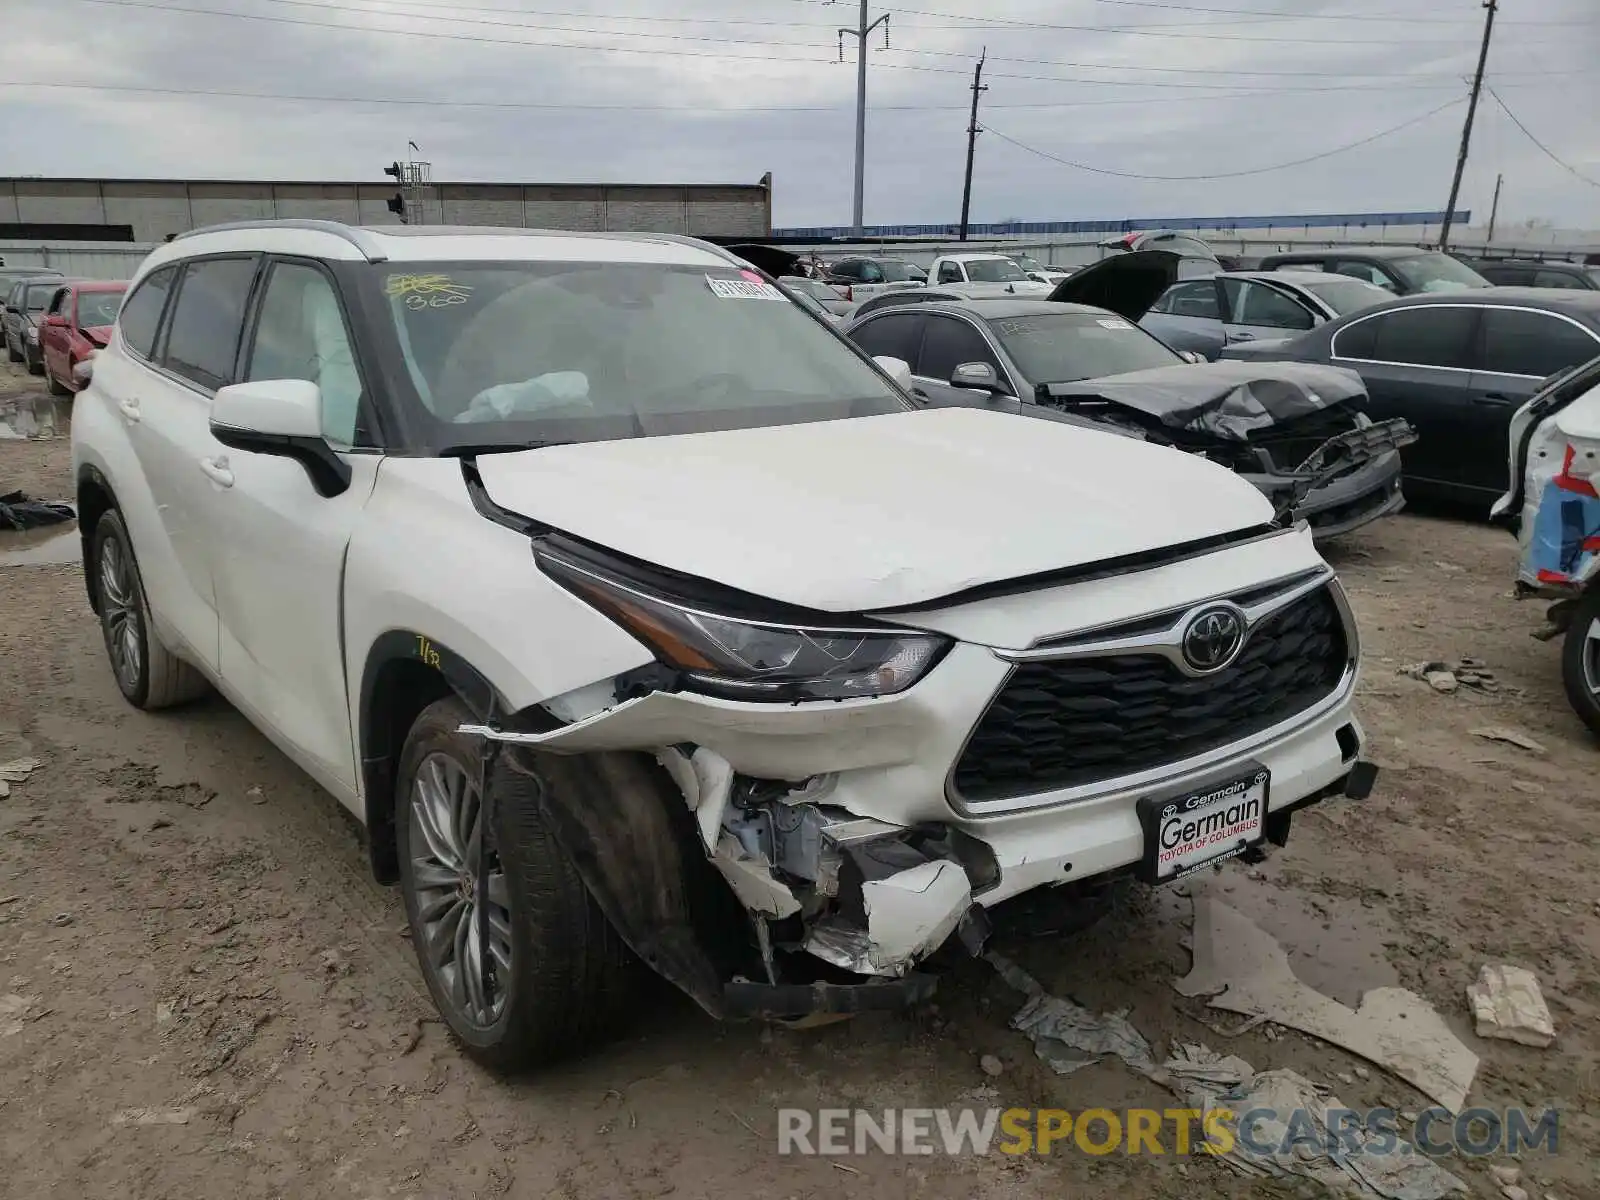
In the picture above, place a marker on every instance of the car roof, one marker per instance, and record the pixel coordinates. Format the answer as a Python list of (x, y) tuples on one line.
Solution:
[(1545, 263), (974, 255), (1351, 252), (1300, 277), (1001, 308), (1557, 299), (332, 240)]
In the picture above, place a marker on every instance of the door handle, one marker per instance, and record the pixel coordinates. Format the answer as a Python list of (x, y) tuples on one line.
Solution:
[(216, 470), (1241, 337), (129, 410), (1492, 399)]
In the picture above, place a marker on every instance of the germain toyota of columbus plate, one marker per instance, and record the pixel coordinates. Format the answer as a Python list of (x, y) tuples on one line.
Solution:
[(1198, 828)]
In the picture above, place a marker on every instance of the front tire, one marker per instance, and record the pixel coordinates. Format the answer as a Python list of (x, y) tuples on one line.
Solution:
[(539, 974), (13, 355), (148, 674), (57, 388), (1580, 660), (34, 361)]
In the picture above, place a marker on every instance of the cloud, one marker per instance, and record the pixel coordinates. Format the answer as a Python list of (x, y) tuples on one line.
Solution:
[(1150, 90)]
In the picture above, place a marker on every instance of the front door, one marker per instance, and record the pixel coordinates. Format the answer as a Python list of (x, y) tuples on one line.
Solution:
[(1416, 364), (1257, 311), (281, 544)]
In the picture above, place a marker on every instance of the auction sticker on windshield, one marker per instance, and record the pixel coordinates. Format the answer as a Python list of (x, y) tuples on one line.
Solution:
[(744, 289), (1198, 828)]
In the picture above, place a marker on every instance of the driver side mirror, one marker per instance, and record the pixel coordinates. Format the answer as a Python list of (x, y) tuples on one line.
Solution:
[(978, 376), (1191, 356), (55, 321), (897, 369), (281, 417)]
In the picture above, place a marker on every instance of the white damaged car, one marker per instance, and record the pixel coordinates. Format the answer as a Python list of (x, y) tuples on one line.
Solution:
[(638, 616)]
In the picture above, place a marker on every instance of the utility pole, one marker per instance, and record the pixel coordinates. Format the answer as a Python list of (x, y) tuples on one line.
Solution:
[(1494, 209), (864, 27), (978, 89), (1466, 129)]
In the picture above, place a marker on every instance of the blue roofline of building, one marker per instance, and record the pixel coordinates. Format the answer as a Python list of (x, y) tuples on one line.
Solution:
[(1132, 225)]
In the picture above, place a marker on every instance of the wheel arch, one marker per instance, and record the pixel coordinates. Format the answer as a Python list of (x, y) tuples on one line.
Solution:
[(405, 671), (95, 498)]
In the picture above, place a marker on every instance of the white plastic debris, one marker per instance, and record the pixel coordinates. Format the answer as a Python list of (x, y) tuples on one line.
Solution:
[(1515, 737), (1067, 1036), (16, 771), (1507, 1004), (153, 1116), (1244, 970)]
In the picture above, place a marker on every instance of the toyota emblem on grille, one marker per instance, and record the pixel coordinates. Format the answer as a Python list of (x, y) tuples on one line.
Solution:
[(1213, 638)]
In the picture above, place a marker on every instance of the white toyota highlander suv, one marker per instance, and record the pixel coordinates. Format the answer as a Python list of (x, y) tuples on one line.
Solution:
[(636, 615)]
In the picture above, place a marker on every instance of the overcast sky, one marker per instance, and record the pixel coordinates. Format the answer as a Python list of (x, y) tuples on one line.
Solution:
[(707, 91)]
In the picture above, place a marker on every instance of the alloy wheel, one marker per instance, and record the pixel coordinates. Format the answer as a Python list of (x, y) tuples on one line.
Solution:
[(119, 609), (466, 943)]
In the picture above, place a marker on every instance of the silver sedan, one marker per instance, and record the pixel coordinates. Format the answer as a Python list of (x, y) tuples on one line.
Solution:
[(1207, 314)]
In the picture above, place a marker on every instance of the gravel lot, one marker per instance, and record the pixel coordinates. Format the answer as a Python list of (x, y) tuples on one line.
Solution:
[(192, 926)]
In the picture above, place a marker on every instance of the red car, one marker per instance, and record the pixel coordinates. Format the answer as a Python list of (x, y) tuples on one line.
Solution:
[(77, 323)]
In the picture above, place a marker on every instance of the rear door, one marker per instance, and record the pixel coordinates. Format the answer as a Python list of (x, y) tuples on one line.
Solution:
[(1254, 310), (196, 354), (1517, 348), (1416, 363), (1189, 317), (947, 343)]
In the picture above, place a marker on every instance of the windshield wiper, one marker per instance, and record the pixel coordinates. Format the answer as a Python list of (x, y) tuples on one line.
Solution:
[(473, 449)]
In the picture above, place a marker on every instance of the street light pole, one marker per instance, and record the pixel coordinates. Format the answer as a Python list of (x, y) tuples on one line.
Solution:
[(1466, 129)]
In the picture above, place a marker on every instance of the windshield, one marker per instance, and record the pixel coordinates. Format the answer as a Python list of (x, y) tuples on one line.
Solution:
[(994, 270), (1066, 347), (1348, 296), (895, 271), (98, 308), (1594, 274), (1437, 272), (511, 354), (1028, 262), (39, 295)]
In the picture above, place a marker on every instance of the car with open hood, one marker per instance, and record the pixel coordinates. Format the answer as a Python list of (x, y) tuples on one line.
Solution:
[(642, 621), (1299, 434), (76, 326), (1553, 506)]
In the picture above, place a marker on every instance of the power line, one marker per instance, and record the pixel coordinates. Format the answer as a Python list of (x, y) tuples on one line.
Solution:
[(1299, 162), (1551, 154), (1283, 16), (558, 106), (578, 47)]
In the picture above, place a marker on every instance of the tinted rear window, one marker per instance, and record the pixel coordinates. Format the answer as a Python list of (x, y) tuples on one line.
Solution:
[(142, 313), (204, 339)]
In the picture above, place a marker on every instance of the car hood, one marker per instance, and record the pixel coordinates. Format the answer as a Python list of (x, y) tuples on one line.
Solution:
[(876, 512), (1126, 284), (985, 291), (1227, 400)]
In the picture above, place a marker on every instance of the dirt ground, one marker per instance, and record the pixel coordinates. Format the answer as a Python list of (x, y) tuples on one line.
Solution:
[(187, 924)]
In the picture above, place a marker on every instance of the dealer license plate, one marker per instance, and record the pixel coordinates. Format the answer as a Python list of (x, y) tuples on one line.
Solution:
[(1195, 829)]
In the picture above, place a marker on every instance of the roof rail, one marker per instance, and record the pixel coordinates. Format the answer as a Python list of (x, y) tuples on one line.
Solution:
[(358, 238)]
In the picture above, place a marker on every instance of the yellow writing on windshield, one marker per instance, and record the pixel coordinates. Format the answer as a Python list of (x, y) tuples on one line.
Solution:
[(426, 291)]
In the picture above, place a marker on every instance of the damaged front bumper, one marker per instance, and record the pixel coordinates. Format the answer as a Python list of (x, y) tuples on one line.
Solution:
[(770, 858), (1340, 505)]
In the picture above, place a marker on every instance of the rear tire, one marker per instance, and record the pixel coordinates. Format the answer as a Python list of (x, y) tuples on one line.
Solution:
[(1580, 660), (148, 674), (554, 974), (35, 363), (12, 355), (57, 388)]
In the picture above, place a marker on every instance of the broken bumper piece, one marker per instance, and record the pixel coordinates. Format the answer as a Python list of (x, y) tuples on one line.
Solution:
[(791, 1001)]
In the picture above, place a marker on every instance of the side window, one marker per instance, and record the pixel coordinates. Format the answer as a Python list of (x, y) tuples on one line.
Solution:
[(1507, 276), (1364, 271), (141, 313), (203, 339), (1556, 279), (848, 269), (301, 334), (1431, 335), (949, 342), (950, 272), (1520, 342), (1356, 340), (894, 336), (1196, 299), (871, 273), (1267, 307)]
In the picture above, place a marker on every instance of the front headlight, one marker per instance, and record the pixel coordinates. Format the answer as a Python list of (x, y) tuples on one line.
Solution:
[(742, 659)]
